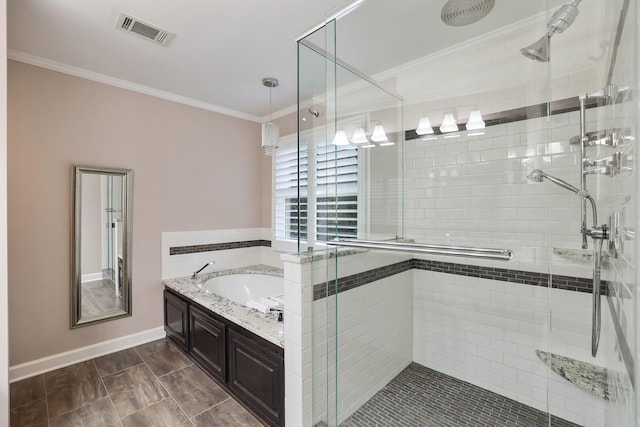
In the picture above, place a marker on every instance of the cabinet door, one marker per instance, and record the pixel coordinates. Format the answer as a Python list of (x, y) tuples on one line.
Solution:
[(175, 319), (256, 375), (207, 343)]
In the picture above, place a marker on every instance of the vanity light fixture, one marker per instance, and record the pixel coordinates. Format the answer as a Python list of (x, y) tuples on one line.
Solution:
[(359, 137), (475, 121), (270, 130), (387, 143), (340, 138), (379, 135), (448, 124), (424, 127)]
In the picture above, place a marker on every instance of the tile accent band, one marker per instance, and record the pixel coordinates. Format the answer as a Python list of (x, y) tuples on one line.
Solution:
[(570, 283), (182, 250)]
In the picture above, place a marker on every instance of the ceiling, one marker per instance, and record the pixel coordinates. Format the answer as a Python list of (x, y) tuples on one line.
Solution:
[(223, 48)]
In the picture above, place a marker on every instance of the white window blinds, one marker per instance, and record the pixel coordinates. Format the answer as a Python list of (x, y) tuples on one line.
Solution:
[(335, 193)]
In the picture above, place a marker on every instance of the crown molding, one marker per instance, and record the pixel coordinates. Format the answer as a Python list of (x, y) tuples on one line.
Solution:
[(124, 84)]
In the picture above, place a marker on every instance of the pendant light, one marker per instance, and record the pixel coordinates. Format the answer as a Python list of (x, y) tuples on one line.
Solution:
[(270, 130)]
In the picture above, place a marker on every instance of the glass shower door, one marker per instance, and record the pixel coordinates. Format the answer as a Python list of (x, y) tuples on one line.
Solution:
[(465, 293)]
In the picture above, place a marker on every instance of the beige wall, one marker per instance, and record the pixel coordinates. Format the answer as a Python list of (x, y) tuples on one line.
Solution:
[(193, 170)]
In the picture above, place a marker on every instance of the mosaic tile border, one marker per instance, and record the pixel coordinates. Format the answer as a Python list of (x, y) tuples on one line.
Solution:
[(183, 250), (569, 283)]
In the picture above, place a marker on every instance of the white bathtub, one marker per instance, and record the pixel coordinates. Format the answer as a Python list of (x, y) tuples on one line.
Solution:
[(259, 291)]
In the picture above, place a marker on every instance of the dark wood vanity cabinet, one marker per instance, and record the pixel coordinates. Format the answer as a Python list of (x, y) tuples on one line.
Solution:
[(207, 342), (249, 367), (176, 320), (256, 375)]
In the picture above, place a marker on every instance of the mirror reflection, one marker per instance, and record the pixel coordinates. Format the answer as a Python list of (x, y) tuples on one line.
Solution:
[(101, 284)]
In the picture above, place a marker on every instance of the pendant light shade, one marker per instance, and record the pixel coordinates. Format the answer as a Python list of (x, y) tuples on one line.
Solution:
[(359, 137), (379, 135), (270, 134), (340, 138), (270, 130), (424, 127), (475, 121), (448, 124)]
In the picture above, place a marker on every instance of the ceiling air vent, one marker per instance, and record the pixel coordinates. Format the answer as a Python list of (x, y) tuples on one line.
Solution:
[(144, 29)]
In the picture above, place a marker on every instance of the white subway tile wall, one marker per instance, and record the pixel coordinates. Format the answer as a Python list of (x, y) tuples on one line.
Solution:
[(486, 332), (185, 264)]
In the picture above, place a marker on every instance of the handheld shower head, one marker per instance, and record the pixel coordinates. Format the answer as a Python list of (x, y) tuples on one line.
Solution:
[(537, 175)]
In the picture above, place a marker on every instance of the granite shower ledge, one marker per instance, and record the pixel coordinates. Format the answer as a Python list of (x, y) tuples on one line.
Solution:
[(265, 325), (587, 376)]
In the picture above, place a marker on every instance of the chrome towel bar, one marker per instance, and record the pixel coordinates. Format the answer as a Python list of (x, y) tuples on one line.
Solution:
[(418, 248)]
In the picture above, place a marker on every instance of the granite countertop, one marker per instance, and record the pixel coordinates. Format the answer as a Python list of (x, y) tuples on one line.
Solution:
[(264, 325)]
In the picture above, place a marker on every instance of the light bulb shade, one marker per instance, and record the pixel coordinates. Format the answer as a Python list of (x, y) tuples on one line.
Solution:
[(448, 124), (270, 136), (340, 138), (475, 121), (359, 137), (379, 134), (424, 127)]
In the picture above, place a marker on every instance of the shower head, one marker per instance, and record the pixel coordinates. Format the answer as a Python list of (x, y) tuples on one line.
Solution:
[(538, 51), (537, 175), (560, 21), (457, 13)]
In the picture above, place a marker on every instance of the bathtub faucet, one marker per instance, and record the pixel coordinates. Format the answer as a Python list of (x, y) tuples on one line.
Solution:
[(280, 310), (195, 273)]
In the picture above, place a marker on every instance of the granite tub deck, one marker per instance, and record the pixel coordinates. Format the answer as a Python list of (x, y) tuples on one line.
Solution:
[(265, 325)]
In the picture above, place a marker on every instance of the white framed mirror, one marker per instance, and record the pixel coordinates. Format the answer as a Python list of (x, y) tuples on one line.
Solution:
[(102, 231)]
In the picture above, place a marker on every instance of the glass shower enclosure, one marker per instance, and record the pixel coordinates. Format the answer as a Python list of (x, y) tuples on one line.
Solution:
[(468, 187)]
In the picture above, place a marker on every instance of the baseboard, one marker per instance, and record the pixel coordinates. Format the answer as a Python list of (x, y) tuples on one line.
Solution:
[(91, 277), (56, 361)]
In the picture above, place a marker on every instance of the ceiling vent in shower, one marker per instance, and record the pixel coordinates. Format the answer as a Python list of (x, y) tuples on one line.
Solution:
[(133, 25)]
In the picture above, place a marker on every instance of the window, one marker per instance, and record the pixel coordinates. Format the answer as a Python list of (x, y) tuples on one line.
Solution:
[(334, 190)]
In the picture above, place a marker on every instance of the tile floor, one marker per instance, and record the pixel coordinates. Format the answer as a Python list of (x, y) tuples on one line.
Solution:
[(420, 397), (99, 298), (154, 384)]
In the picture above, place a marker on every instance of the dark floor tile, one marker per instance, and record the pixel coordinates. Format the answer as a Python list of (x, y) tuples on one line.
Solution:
[(115, 362), (420, 396), (193, 390), (31, 414), (163, 357), (227, 414), (97, 414), (161, 414), (134, 389), (26, 391), (154, 346), (73, 387)]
